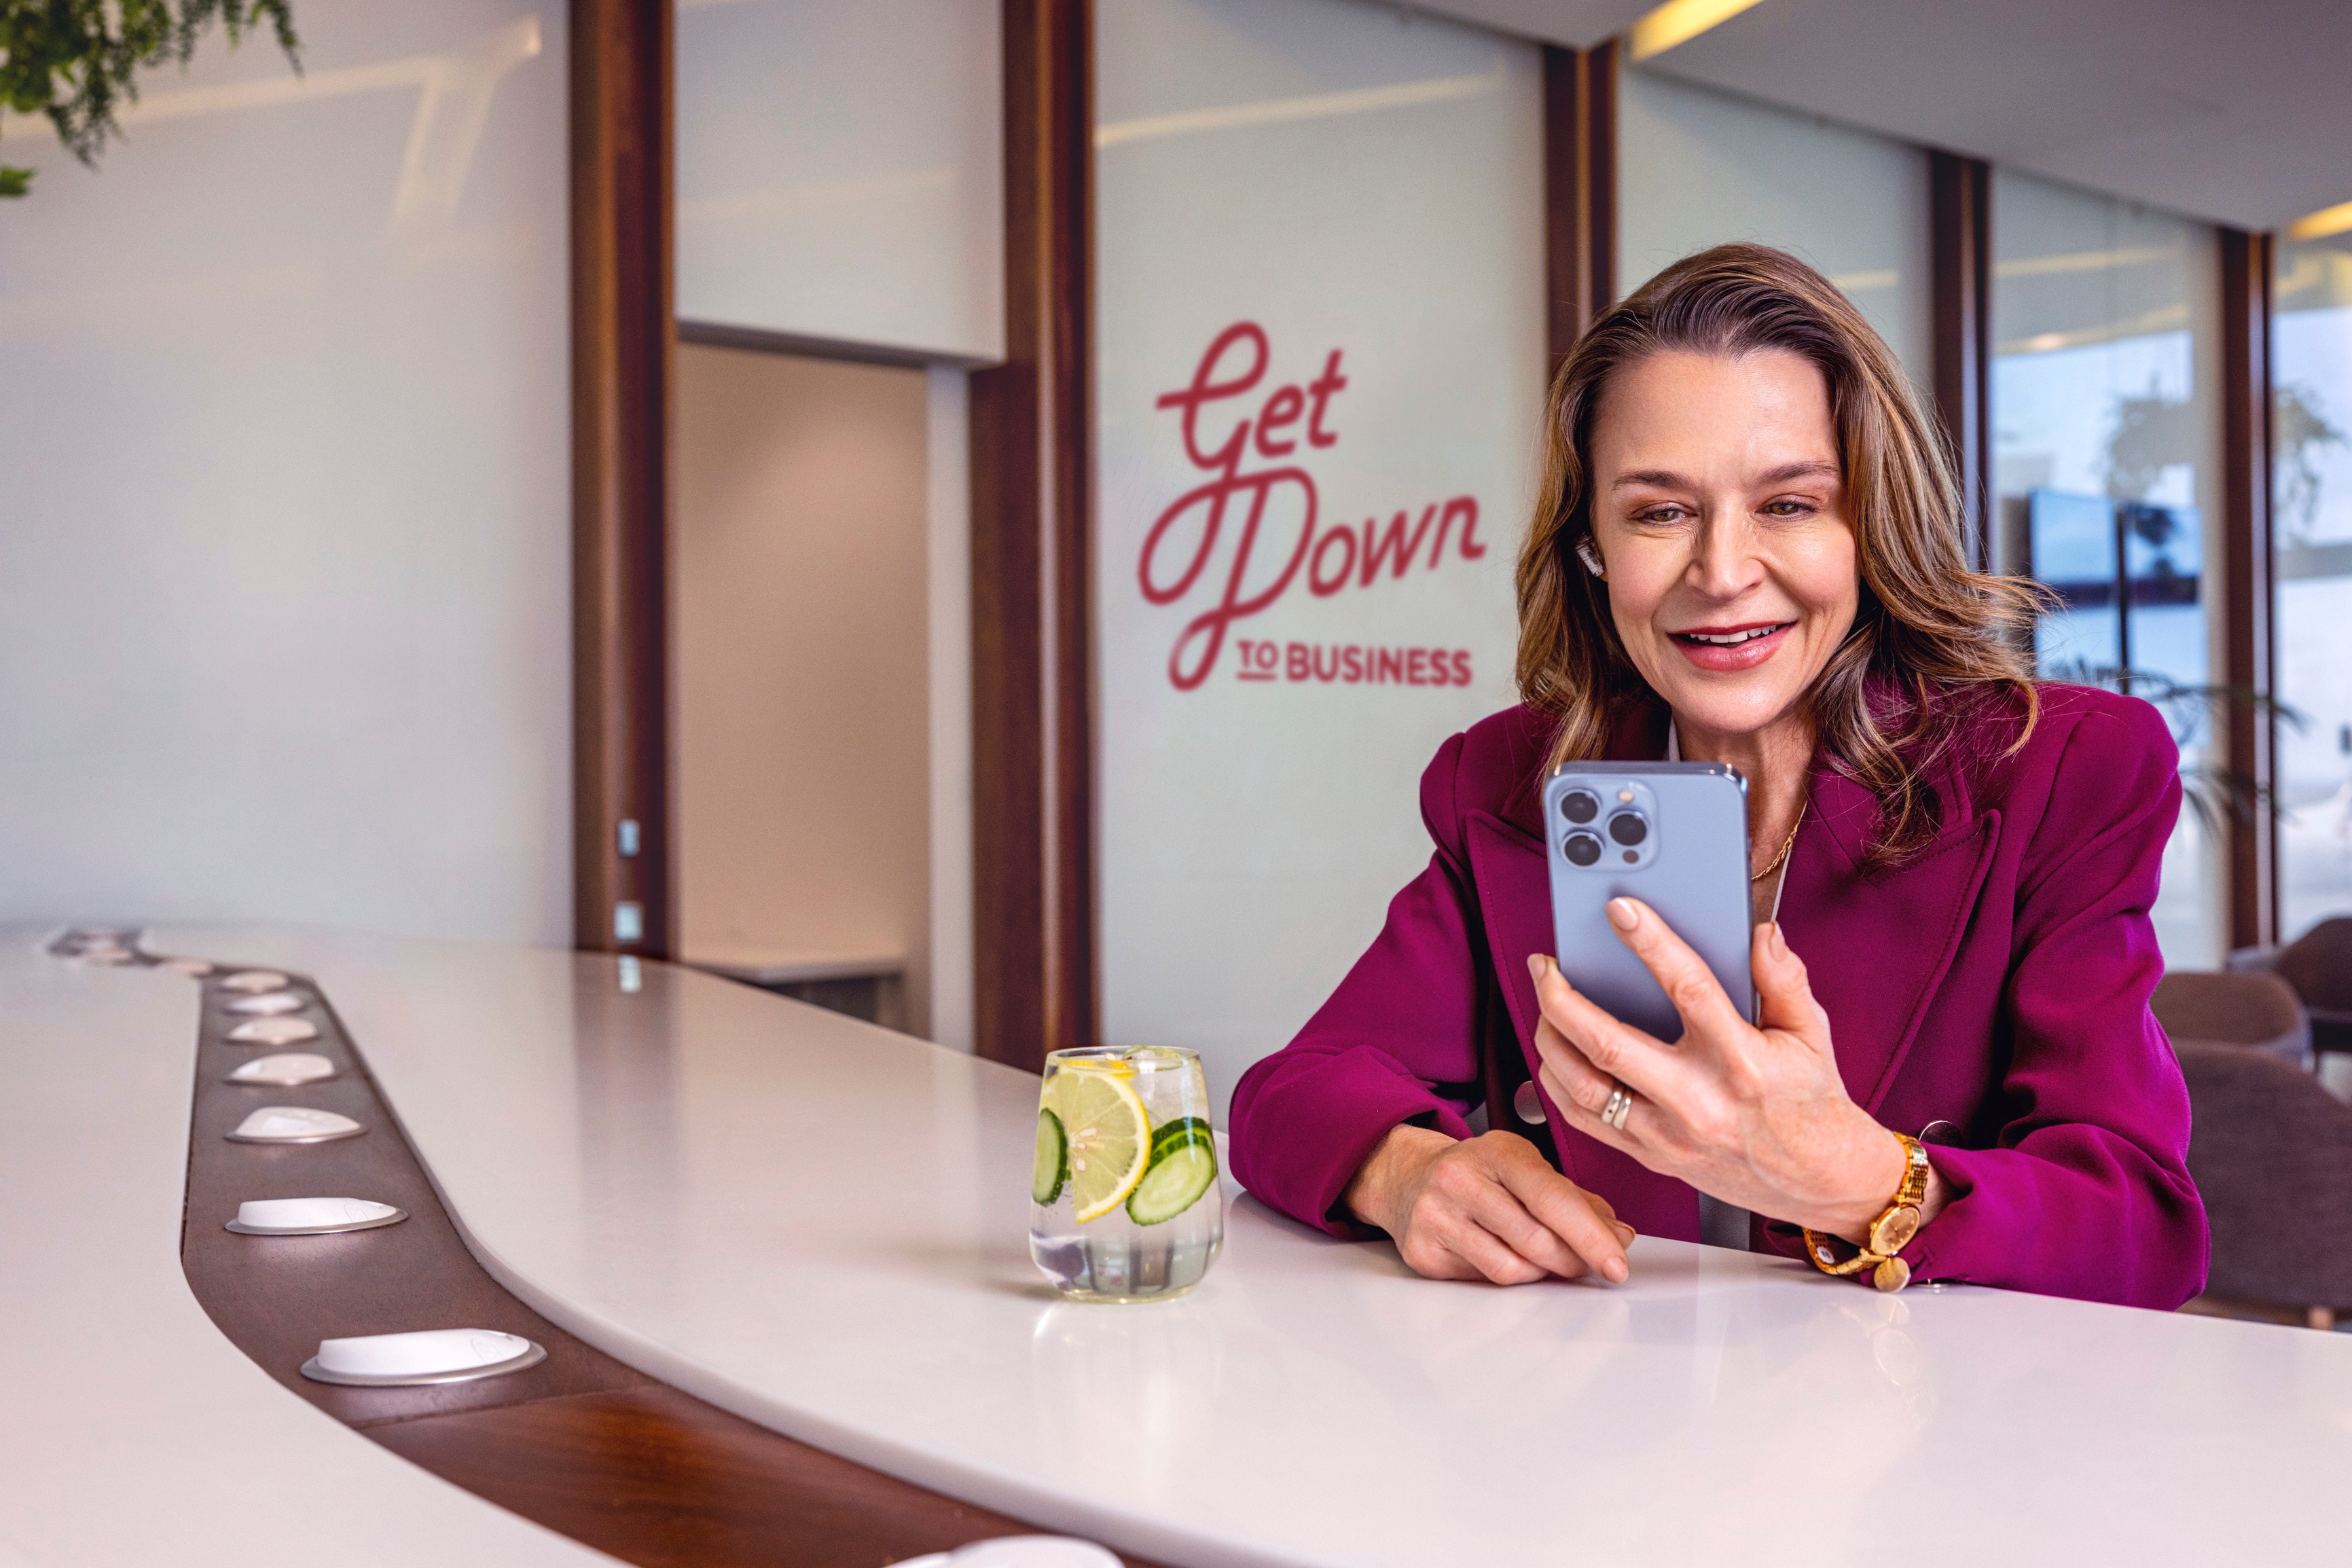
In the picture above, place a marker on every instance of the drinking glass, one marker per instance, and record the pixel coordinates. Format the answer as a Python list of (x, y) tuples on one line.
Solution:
[(1124, 1200)]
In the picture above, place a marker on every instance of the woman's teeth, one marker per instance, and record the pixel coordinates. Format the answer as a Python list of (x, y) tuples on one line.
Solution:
[(1729, 639)]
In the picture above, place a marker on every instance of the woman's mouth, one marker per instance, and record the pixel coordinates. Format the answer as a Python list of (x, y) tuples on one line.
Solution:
[(1731, 647)]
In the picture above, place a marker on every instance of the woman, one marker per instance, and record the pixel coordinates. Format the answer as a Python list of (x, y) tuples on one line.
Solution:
[(1747, 551)]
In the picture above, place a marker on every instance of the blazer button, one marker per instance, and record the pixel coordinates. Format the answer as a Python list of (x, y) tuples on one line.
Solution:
[(1528, 1104)]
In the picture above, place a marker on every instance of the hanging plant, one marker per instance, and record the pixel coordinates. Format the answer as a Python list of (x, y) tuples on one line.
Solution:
[(75, 61)]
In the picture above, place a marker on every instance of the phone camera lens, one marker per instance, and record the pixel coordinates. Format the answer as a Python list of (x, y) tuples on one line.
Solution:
[(1582, 849), (1578, 806), (1628, 828)]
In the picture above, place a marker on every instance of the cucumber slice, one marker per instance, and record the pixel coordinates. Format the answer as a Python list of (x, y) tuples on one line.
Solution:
[(1053, 1167), (1181, 1169), (1181, 1128)]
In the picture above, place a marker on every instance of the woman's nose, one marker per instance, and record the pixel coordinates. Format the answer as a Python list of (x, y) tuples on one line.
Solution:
[(1724, 563)]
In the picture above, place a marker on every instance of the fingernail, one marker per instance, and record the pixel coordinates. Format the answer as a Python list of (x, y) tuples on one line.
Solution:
[(1622, 915), (1534, 965), (1628, 1233), (1616, 1271), (1780, 942)]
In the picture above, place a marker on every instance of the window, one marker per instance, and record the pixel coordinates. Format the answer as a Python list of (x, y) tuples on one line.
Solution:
[(2311, 498), (2106, 447)]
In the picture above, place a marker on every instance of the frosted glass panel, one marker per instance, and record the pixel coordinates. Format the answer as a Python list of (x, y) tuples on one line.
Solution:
[(840, 170), (1321, 363), (2311, 489), (1698, 167), (2106, 447), (285, 422)]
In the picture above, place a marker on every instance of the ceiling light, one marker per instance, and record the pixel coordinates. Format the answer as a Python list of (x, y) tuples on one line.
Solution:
[(1680, 21), (2327, 220)]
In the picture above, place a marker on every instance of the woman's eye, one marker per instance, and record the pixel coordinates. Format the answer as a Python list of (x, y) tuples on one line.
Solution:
[(1786, 508), (1660, 515)]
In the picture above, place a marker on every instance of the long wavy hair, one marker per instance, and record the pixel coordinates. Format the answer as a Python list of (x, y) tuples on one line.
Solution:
[(1929, 632)]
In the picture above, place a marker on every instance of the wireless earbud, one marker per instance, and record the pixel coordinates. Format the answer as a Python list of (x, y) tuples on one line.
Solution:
[(1588, 556)]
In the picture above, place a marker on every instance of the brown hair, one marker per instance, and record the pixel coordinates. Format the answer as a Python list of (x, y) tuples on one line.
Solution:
[(1928, 631)]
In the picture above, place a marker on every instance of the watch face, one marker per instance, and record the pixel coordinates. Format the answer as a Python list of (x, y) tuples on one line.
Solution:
[(1894, 1230)]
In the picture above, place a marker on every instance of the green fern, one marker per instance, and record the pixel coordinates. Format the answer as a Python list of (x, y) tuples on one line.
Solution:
[(77, 61)]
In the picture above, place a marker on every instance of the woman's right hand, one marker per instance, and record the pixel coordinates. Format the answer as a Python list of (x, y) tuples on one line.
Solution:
[(1488, 1207)]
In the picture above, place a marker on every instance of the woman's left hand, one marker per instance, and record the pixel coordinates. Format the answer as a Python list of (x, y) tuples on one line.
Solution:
[(1754, 1116)]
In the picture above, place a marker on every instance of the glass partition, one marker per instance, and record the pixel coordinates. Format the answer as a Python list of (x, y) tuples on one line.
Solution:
[(2106, 426), (2311, 500), (1698, 167), (1321, 346)]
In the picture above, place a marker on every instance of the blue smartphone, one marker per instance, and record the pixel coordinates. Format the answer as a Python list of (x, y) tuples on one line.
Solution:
[(1672, 834)]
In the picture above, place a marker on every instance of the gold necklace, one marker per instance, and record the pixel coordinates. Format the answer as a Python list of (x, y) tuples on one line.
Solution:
[(1786, 844)]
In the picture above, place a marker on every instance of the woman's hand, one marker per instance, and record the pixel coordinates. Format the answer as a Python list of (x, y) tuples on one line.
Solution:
[(1754, 1116), (1486, 1208)]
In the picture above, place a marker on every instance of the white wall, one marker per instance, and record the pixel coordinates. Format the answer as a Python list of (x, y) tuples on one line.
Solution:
[(284, 493), (948, 565), (801, 716), (840, 170), (1345, 177)]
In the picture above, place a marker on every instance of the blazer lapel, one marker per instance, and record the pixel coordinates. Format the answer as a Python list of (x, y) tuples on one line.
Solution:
[(1876, 949), (1515, 897)]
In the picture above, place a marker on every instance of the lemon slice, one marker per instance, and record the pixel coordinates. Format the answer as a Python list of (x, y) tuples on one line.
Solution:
[(1107, 1133)]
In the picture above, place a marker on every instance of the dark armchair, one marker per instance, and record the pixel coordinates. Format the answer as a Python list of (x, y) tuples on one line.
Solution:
[(2270, 1149)]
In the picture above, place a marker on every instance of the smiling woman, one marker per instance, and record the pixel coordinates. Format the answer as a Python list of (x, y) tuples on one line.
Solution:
[(1746, 552)]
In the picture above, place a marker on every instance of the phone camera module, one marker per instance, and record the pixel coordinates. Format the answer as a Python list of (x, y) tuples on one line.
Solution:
[(1629, 827), (1580, 806), (1582, 849)]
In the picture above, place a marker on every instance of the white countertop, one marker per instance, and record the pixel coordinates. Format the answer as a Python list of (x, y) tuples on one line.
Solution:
[(821, 1226), (130, 1431)]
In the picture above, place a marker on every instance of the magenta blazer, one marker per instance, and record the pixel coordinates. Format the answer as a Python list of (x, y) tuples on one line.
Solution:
[(1997, 981)]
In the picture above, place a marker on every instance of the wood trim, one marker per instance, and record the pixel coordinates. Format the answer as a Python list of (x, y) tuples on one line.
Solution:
[(1580, 116), (1960, 280), (622, 342), (2247, 546), (1032, 572), (1601, 65), (582, 1443)]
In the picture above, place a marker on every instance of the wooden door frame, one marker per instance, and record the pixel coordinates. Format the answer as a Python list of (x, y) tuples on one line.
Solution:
[(622, 347), (2250, 735), (1033, 888), (1959, 231), (1580, 140)]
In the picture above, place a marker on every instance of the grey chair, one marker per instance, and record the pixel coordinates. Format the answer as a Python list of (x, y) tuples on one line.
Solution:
[(2318, 964), (2259, 1012), (2271, 1152)]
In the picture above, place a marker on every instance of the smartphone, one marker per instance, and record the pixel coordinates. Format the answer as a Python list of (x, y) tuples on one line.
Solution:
[(1672, 834)]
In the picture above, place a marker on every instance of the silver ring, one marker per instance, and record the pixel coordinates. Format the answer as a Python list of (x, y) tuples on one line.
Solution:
[(1620, 1101)]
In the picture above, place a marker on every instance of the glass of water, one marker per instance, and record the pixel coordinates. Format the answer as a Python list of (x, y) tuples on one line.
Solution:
[(1124, 1202)]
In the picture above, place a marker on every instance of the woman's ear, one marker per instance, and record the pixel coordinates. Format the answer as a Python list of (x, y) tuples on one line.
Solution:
[(1591, 557)]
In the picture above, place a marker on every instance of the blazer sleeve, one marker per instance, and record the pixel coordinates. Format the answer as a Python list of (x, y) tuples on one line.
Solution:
[(2086, 1191), (1397, 1042)]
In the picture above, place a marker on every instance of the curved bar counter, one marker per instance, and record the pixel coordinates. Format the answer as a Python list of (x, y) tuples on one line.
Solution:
[(819, 1227)]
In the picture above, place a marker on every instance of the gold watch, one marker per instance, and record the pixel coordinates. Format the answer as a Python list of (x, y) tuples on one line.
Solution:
[(1889, 1233)]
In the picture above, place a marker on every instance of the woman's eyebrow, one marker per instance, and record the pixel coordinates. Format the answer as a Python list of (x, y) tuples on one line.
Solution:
[(1811, 468), (1666, 479), (1652, 478)]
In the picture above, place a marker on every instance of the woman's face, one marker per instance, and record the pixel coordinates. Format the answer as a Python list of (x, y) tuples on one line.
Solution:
[(1719, 505)]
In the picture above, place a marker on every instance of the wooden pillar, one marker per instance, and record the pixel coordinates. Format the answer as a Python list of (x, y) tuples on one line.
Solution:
[(1579, 189), (621, 347), (2250, 735), (1032, 576), (1960, 280)]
